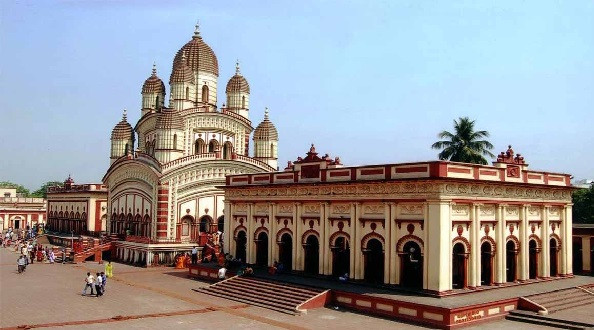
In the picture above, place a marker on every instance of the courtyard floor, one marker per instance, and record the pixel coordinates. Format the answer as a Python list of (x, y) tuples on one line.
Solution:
[(49, 296)]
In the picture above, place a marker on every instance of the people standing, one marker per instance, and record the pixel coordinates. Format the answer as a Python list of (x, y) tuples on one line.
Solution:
[(98, 285), (89, 281), (194, 255), (51, 257), (109, 269), (104, 281)]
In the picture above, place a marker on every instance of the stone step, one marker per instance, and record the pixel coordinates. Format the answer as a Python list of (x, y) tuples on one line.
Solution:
[(555, 295), (549, 323), (252, 296), (568, 305), (285, 294), (259, 303), (275, 286), (272, 284)]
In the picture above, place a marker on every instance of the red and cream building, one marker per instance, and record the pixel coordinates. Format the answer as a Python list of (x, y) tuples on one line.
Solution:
[(162, 183), (434, 225), (79, 209), (20, 212)]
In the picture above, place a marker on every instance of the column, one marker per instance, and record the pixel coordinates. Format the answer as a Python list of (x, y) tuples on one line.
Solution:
[(326, 240), (567, 239), (352, 245), (546, 251), (500, 229), (358, 274), (273, 247), (391, 233), (474, 278), (296, 242), (425, 251), (249, 224), (388, 242), (297, 238), (523, 268), (228, 241), (437, 246)]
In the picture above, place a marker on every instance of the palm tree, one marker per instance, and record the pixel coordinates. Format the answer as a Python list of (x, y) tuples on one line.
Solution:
[(466, 145)]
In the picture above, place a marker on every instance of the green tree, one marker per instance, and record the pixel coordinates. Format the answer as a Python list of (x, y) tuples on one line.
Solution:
[(465, 144), (42, 191), (583, 205), (19, 188)]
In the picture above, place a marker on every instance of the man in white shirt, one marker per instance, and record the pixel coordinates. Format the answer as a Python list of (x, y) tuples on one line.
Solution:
[(89, 281), (194, 255), (222, 273)]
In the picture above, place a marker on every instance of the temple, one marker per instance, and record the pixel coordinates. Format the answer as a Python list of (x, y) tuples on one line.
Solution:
[(161, 185), (436, 226)]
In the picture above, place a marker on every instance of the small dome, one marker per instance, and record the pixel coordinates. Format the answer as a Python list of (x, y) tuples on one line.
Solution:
[(123, 130), (153, 84), (266, 129), (237, 83), (169, 118), (182, 73), (198, 55)]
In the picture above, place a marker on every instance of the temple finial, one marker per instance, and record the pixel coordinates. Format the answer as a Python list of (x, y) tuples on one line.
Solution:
[(266, 113), (124, 116), (197, 29), (154, 69), (237, 66)]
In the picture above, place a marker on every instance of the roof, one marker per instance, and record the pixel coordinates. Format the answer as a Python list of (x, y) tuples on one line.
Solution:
[(153, 84), (266, 129), (122, 130), (169, 118), (198, 56)]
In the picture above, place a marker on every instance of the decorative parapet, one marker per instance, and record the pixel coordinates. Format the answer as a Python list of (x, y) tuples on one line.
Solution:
[(167, 167)]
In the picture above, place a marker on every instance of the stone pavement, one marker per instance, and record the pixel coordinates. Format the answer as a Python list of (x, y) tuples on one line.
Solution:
[(48, 296)]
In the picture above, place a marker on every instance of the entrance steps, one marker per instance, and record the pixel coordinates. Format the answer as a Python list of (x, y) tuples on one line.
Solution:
[(281, 297), (535, 318), (563, 299)]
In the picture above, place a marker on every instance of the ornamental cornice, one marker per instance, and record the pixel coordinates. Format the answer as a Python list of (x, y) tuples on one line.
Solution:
[(427, 190)]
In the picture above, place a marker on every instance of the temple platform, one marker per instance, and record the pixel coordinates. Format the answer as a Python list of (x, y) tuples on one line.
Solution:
[(460, 308)]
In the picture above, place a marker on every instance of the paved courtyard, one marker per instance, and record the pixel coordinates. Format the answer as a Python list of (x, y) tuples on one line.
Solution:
[(49, 296)]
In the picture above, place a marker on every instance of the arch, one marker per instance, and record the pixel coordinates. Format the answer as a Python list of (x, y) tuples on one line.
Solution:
[(341, 252), (221, 223), (157, 102), (407, 238), (365, 240), (72, 215), (511, 253), (411, 264), (174, 141), (237, 230), (205, 222), (307, 233), (491, 241), (515, 240), (557, 238), (554, 247), (186, 223), (533, 252), (241, 244), (243, 101), (205, 93), (312, 254), (199, 146), (83, 216), (213, 145), (227, 150), (373, 254), (536, 239), (285, 250), (280, 233), (464, 241), (460, 252), (336, 235), (187, 93), (258, 231), (262, 247)]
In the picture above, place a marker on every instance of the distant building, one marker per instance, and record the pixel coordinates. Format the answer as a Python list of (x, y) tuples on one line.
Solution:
[(584, 183), (79, 209), (583, 248), (20, 212)]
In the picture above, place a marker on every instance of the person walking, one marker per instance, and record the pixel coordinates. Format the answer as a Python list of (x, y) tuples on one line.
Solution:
[(98, 284), (89, 281), (109, 269), (51, 256), (194, 255), (104, 281)]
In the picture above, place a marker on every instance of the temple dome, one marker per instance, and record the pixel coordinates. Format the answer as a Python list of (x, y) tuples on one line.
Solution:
[(266, 129), (153, 84), (237, 83), (181, 73), (198, 55), (122, 130), (169, 118)]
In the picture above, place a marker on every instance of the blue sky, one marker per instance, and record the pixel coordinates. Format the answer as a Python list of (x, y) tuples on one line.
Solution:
[(369, 81)]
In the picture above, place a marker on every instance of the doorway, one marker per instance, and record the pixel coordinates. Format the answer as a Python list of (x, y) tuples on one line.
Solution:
[(458, 266), (262, 250), (374, 262), (312, 255)]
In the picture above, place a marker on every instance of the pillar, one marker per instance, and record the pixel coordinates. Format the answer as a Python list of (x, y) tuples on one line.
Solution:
[(297, 238), (353, 247), (250, 234), (500, 229), (425, 253), (474, 274), (546, 251), (394, 271), (358, 274), (228, 242), (567, 239), (272, 246), (296, 242), (437, 246), (523, 267), (388, 242), (327, 269)]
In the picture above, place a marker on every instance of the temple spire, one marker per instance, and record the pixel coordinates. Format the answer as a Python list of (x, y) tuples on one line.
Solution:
[(197, 29), (237, 66), (266, 113), (124, 115), (154, 69)]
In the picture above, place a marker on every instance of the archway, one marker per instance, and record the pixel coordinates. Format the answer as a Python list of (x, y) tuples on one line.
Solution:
[(459, 266), (240, 247), (285, 251), (374, 261), (227, 150), (312, 255), (221, 223), (511, 262), (262, 249), (213, 146), (199, 146), (553, 257), (205, 222), (486, 264), (411, 274), (578, 265), (341, 257), (532, 259)]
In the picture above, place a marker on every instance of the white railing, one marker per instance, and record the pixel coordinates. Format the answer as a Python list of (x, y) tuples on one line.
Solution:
[(22, 200), (213, 156)]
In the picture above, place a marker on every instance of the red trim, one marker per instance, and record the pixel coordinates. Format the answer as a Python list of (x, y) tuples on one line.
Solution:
[(284, 176), (339, 173), (375, 171), (488, 172), (413, 169), (459, 170), (261, 178), (534, 177)]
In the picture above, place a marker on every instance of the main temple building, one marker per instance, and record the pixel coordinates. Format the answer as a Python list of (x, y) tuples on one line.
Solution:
[(162, 194)]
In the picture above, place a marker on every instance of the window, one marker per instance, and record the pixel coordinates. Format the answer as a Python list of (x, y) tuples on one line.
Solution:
[(187, 93), (174, 141), (213, 146), (243, 102), (6, 194), (205, 94), (157, 102), (199, 146)]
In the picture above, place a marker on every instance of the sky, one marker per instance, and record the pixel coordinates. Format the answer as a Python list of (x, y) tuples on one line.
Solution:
[(369, 81)]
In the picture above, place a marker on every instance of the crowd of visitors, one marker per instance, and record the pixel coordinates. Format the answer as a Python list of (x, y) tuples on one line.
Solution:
[(98, 283)]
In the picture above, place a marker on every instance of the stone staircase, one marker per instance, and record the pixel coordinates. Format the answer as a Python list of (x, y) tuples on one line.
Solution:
[(563, 299), (281, 297), (534, 318)]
